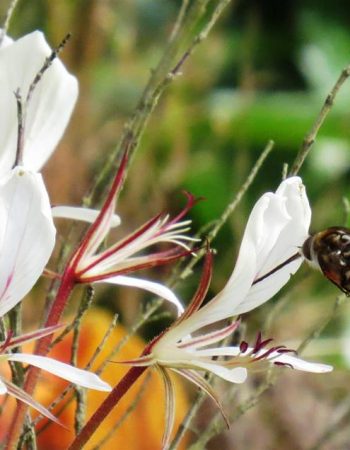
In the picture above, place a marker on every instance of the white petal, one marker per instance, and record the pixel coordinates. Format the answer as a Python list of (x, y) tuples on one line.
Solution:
[(290, 238), (3, 388), (6, 40), (151, 286), (277, 227), (235, 375), (80, 213), (218, 351), (27, 235), (50, 107), (21, 395), (62, 370), (301, 364)]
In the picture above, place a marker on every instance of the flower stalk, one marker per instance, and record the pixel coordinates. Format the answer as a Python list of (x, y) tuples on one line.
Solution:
[(54, 316), (109, 403)]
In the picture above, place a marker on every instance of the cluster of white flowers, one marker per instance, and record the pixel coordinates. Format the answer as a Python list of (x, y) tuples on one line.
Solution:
[(27, 231), (277, 227)]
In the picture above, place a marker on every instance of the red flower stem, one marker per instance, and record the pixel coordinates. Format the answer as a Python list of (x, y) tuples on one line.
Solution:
[(106, 407), (54, 316)]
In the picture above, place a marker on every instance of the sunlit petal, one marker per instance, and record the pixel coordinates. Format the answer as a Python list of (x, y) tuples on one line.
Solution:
[(276, 228), (82, 214), (50, 107), (3, 388), (62, 370), (27, 235), (169, 407), (21, 395), (150, 286), (289, 240), (6, 40), (235, 375), (300, 364)]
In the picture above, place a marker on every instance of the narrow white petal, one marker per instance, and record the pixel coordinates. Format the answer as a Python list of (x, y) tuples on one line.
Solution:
[(3, 388), (169, 405), (235, 375), (82, 214), (151, 286), (301, 364), (21, 395), (27, 235), (73, 374), (49, 110)]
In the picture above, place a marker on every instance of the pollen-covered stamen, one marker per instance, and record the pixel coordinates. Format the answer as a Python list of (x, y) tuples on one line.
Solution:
[(243, 346), (260, 344), (269, 351), (260, 352), (286, 350)]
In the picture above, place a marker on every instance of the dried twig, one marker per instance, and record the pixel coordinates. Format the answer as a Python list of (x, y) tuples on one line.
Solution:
[(8, 17), (325, 110)]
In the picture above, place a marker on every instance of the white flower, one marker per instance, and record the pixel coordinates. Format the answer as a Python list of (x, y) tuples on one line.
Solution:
[(92, 265), (276, 229), (72, 374), (49, 108), (27, 234)]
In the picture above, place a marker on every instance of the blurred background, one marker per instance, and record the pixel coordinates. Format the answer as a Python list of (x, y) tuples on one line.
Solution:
[(263, 73)]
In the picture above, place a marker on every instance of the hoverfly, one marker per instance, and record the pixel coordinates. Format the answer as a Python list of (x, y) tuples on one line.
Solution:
[(328, 251)]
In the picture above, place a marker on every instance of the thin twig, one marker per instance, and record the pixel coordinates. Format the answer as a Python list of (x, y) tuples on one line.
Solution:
[(126, 413), (160, 78), (316, 332), (346, 207), (8, 17), (339, 420), (179, 20), (101, 345), (47, 63), (20, 128), (217, 425), (312, 134), (88, 366), (22, 107), (85, 304), (216, 226), (151, 309), (80, 393)]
